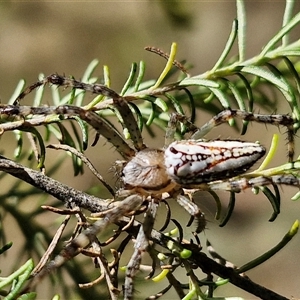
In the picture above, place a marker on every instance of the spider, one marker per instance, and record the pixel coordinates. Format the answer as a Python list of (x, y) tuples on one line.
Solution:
[(151, 175)]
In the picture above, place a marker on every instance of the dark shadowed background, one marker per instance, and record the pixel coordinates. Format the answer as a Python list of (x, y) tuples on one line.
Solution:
[(64, 37)]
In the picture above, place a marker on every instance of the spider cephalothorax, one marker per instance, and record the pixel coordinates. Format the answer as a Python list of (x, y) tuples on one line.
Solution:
[(146, 173)]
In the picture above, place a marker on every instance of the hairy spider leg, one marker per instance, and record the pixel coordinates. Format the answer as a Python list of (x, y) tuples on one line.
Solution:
[(140, 247), (102, 126), (119, 103), (239, 184), (277, 120), (129, 204)]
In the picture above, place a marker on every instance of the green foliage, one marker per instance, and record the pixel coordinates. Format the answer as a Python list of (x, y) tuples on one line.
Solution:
[(17, 281)]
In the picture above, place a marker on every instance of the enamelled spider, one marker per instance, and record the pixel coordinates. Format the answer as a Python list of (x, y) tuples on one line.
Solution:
[(151, 176)]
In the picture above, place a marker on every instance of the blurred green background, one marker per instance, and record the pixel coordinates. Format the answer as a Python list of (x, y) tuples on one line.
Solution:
[(47, 37)]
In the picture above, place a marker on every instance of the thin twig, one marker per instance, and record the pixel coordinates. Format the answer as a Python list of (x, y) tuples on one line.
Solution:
[(61, 211), (53, 187), (86, 161), (51, 247)]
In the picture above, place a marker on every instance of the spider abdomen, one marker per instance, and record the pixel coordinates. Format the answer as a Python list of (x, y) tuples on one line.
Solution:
[(190, 162)]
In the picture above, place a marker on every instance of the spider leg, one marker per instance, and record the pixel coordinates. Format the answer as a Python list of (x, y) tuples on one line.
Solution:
[(119, 103), (240, 184), (226, 115), (129, 122), (108, 131), (86, 237), (58, 80), (218, 258), (141, 246), (175, 118), (193, 210), (170, 130), (102, 126)]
